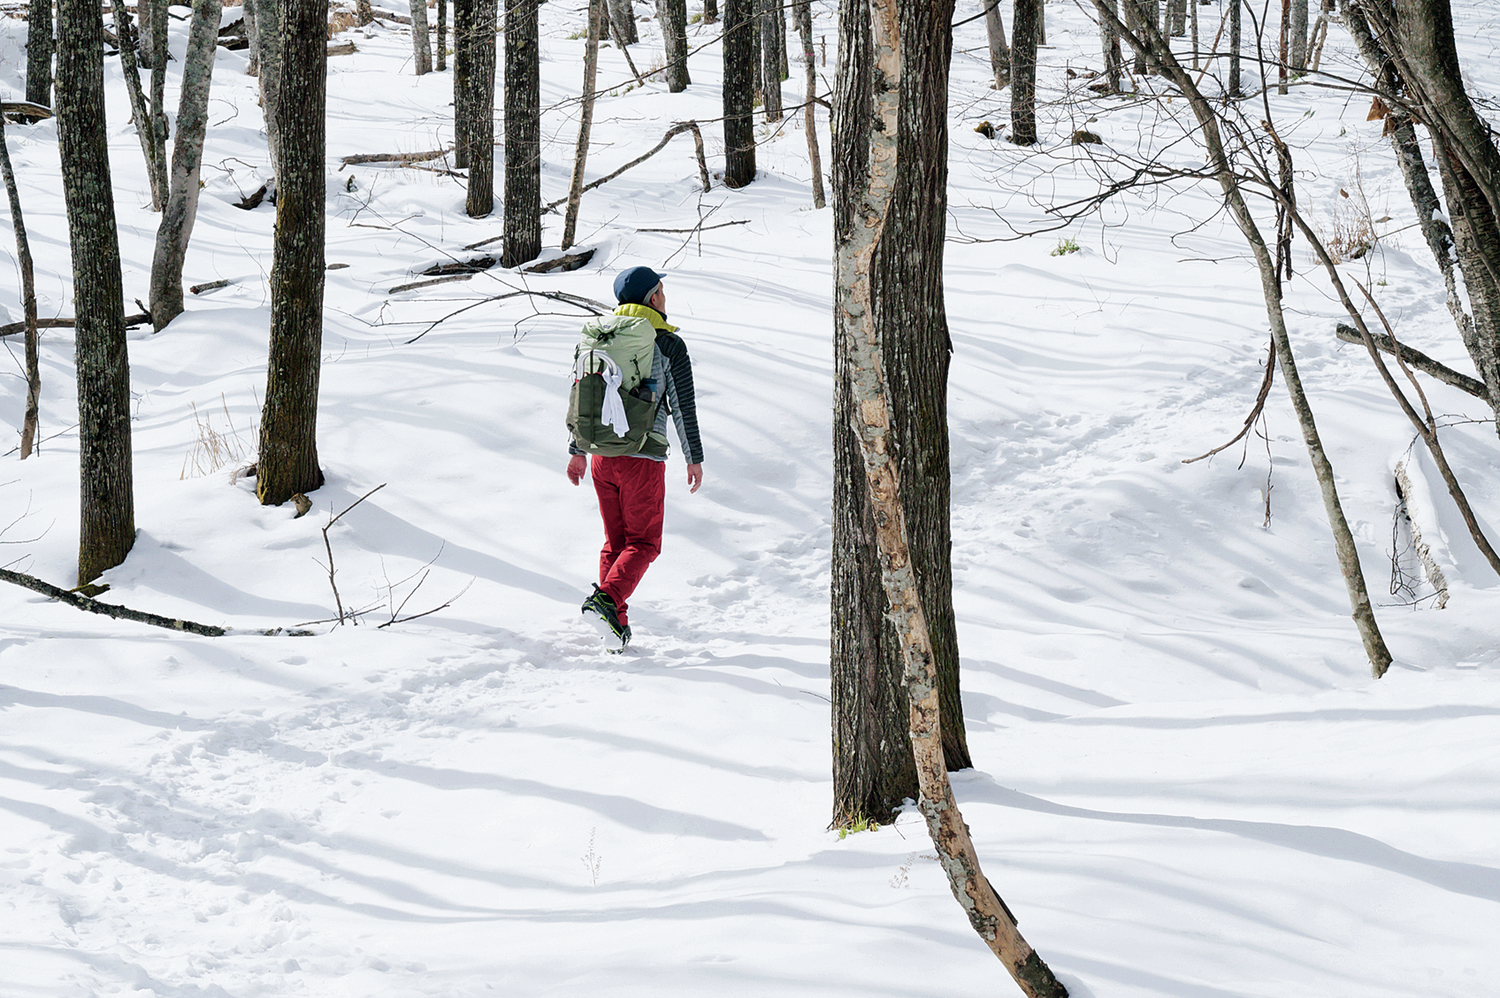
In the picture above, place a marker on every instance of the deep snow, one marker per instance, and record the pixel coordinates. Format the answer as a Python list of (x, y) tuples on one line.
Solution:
[(1186, 784)]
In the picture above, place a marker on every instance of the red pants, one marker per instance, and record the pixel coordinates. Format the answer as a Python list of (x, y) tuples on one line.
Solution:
[(632, 496)]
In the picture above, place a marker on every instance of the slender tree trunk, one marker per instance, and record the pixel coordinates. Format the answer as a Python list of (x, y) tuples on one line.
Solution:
[(39, 48), (622, 23), (269, 15), (252, 36), (802, 14), (1114, 62), (442, 35), (585, 119), (28, 300), (145, 11), (160, 130), (176, 226), (141, 113), (106, 495), (1023, 28), (673, 19), (994, 30), (739, 85), (757, 60), (1233, 87), (770, 22), (288, 460), (523, 135), (421, 41), (1298, 30), (481, 108), (464, 13), (907, 42)]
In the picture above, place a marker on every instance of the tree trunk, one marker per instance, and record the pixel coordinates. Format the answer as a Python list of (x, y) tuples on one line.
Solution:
[(1023, 29), (673, 19), (585, 120), (481, 110), (739, 85), (710, 11), (160, 129), (523, 135), (252, 37), (873, 765), (442, 35), (464, 12), (176, 226), (421, 42), (1298, 30), (622, 23), (28, 299), (1177, 17), (39, 48), (770, 54), (288, 459), (908, 47), (1114, 62), (994, 30), (106, 496), (268, 14), (802, 14), (141, 112), (1233, 87)]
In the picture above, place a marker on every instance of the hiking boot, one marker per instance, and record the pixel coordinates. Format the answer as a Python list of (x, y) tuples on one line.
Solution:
[(600, 610)]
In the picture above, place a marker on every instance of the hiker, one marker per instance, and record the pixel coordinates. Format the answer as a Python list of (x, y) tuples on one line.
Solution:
[(629, 474)]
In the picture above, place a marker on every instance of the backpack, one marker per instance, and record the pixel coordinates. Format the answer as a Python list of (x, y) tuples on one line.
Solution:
[(612, 406)]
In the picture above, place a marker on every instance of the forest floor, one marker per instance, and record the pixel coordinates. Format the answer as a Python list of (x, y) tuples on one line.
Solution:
[(1186, 783)]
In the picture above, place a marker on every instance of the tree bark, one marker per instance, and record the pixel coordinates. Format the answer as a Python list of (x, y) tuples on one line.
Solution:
[(481, 110), (252, 37), (738, 88), (441, 61), (585, 119), (153, 148), (28, 300), (288, 460), (1023, 27), (710, 11), (622, 23), (39, 49), (181, 210), (994, 30), (673, 18), (421, 41), (1177, 17), (523, 135), (1236, 39), (908, 47), (268, 15), (464, 13), (1114, 62), (771, 31), (106, 494), (1298, 29), (802, 13)]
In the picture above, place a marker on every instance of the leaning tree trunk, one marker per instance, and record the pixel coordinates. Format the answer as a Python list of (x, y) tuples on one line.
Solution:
[(288, 459), (176, 226), (994, 30), (908, 45), (39, 49), (28, 300), (421, 43), (268, 15), (802, 14), (585, 119), (106, 496), (873, 767), (770, 55), (674, 43), (523, 136), (1025, 16), (481, 109), (739, 85)]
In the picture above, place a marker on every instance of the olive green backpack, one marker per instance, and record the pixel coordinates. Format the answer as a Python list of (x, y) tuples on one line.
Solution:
[(613, 404)]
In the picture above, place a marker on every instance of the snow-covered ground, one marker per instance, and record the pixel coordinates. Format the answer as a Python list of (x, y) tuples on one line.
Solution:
[(1187, 784)]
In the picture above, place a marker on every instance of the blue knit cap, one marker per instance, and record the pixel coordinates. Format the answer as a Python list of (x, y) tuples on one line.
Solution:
[(635, 285)]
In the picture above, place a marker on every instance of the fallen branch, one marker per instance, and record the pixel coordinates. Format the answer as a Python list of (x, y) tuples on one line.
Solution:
[(393, 157), (25, 110), (577, 301), (1260, 405), (1419, 360), (10, 329), (568, 261), (199, 289), (108, 609), (677, 129), (701, 228), (422, 284)]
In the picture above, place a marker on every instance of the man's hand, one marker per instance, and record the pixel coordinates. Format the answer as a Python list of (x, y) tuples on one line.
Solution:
[(695, 477), (577, 466)]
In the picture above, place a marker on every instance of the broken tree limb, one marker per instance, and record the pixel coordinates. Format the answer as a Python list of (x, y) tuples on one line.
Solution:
[(25, 110), (701, 228), (1259, 407), (107, 609), (423, 284), (1417, 359), (393, 157), (10, 329), (677, 129), (568, 261)]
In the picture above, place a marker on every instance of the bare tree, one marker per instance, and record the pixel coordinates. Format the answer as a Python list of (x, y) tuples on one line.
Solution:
[(585, 119), (771, 31), (673, 19), (268, 16), (480, 108), (739, 85), (1025, 18), (523, 135), (181, 210), (622, 23), (39, 49), (442, 35), (28, 299), (802, 14), (1109, 39), (106, 492), (288, 460), (421, 43), (994, 31), (152, 138), (464, 13)]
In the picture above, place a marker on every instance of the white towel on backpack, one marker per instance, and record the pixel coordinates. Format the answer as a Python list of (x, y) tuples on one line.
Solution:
[(613, 410)]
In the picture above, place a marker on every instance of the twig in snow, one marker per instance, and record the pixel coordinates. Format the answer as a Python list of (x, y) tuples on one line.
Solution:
[(338, 602)]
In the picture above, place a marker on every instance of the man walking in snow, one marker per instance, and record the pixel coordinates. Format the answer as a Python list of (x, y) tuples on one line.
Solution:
[(632, 487)]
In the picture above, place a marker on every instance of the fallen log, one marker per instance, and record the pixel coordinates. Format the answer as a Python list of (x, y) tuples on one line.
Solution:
[(107, 609), (423, 284), (1419, 360), (25, 110), (393, 157), (10, 329), (566, 262)]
